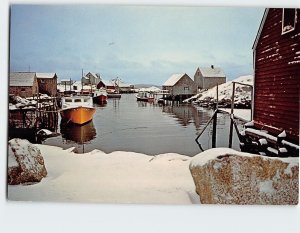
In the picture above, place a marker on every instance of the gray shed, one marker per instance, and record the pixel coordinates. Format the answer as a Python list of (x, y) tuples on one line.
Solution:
[(208, 77)]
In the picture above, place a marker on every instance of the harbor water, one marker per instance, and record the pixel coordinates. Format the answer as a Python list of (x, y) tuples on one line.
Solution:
[(128, 125)]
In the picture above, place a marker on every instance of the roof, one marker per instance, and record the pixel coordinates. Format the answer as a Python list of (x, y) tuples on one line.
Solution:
[(262, 23), (107, 83), (121, 84), (45, 75), (21, 79), (210, 72), (93, 74), (173, 79)]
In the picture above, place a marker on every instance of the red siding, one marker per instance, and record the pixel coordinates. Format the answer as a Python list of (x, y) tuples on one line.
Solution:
[(277, 77)]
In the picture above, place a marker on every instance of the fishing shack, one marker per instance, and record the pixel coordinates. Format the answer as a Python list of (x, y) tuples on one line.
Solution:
[(23, 84), (47, 83), (276, 57), (180, 87), (209, 77)]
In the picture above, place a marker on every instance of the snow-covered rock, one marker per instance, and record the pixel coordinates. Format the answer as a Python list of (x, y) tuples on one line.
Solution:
[(225, 176), (25, 162)]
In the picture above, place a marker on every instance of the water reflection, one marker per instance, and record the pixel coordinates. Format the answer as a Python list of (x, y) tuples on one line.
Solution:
[(80, 134), (187, 114)]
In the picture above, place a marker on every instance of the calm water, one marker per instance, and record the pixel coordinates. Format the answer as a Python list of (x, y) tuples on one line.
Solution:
[(127, 125)]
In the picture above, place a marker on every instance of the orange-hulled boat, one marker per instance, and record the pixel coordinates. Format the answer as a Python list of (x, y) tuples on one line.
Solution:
[(77, 109)]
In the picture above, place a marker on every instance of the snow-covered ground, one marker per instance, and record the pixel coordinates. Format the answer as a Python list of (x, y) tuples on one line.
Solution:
[(240, 113), (242, 92), (118, 177)]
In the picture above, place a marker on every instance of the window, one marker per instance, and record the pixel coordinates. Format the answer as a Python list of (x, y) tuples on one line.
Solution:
[(86, 100), (77, 100), (289, 17), (68, 100), (23, 89), (75, 88)]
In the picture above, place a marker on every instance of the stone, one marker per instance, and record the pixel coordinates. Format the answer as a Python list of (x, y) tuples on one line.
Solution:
[(226, 176), (25, 163)]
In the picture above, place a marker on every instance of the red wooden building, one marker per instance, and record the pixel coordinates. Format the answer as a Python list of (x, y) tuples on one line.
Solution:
[(276, 57)]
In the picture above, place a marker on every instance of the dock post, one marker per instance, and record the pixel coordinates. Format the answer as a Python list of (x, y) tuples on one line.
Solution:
[(214, 133), (231, 116)]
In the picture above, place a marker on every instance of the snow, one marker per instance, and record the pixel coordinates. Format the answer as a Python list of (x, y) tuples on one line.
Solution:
[(286, 143), (18, 79), (282, 134), (12, 162), (45, 75), (211, 72), (118, 177), (261, 133), (211, 154), (272, 150), (263, 141), (266, 186), (244, 114), (44, 132), (150, 89), (204, 157), (173, 80), (242, 93), (249, 124)]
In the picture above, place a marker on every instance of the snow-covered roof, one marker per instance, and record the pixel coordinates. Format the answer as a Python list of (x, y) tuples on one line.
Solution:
[(210, 72), (107, 83), (21, 79), (93, 74), (45, 75), (121, 84), (173, 79)]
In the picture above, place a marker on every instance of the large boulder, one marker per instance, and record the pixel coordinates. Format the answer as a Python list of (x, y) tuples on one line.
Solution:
[(226, 176), (25, 162)]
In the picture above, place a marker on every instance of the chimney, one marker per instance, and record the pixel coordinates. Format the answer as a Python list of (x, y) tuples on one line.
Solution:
[(212, 66)]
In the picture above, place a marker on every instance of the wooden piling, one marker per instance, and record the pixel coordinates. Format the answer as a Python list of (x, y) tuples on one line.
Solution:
[(231, 116)]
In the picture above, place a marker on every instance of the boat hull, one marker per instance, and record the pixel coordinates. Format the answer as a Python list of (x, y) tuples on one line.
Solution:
[(113, 95), (78, 115), (101, 99)]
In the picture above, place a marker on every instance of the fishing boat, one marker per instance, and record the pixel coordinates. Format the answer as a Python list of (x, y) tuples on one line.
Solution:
[(77, 109), (100, 96), (144, 96)]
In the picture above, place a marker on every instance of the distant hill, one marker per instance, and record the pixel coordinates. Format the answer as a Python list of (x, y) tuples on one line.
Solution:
[(137, 86)]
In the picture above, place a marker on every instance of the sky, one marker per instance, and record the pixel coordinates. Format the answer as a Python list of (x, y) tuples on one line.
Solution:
[(138, 44)]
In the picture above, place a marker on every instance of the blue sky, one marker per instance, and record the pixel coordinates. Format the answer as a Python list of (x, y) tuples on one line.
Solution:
[(139, 44)]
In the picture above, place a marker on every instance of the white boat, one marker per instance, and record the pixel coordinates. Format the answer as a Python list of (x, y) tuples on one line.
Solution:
[(77, 109), (144, 96)]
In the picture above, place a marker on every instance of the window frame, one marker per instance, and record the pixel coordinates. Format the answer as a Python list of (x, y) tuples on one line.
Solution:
[(282, 22)]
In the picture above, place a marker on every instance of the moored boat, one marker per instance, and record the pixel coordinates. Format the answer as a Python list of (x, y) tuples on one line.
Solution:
[(113, 94), (77, 109), (100, 96), (144, 96)]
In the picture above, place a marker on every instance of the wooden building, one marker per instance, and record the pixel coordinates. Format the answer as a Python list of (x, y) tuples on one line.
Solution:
[(276, 54), (208, 77), (180, 85), (23, 84), (47, 83), (108, 85), (91, 79)]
